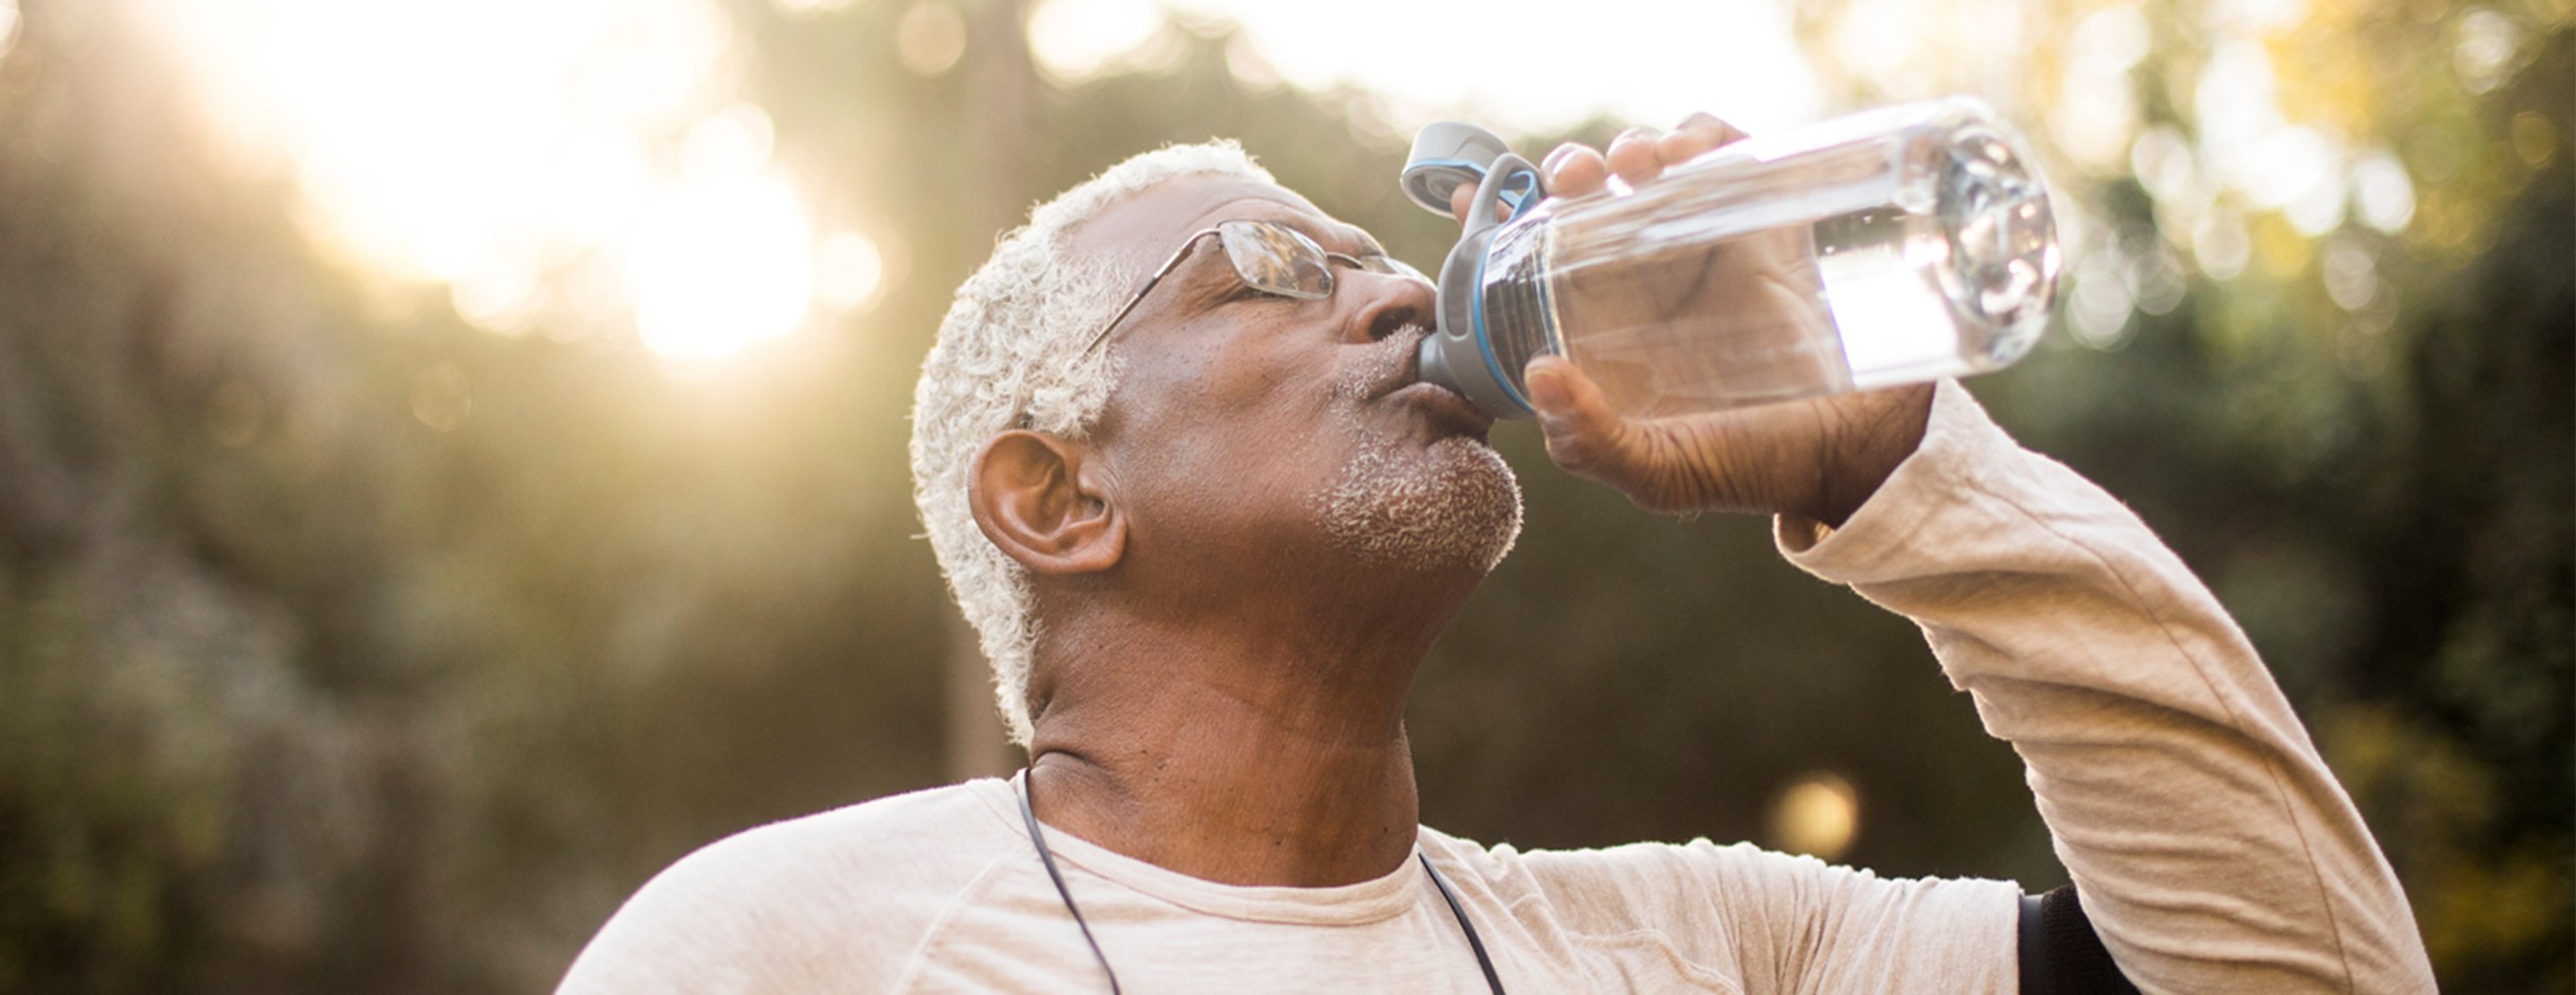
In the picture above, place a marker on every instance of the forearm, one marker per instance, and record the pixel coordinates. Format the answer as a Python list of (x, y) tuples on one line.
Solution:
[(2213, 848)]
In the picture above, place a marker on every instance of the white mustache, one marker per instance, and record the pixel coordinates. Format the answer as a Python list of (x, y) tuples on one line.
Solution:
[(1388, 364)]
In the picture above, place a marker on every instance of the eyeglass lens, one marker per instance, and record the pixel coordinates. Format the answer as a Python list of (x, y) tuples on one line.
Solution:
[(1276, 259)]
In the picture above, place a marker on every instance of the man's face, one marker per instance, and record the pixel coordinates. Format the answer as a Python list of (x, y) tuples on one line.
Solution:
[(1263, 426)]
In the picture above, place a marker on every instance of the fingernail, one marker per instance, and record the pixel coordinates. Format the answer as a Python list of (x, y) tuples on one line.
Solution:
[(1547, 164), (1546, 385)]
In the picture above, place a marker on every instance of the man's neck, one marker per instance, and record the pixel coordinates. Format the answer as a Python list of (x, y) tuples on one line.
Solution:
[(1240, 755)]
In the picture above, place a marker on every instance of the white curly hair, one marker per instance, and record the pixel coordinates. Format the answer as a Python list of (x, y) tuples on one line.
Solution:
[(1013, 343)]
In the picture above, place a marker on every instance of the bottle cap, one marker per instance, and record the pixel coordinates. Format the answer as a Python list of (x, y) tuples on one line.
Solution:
[(1459, 354), (1448, 155)]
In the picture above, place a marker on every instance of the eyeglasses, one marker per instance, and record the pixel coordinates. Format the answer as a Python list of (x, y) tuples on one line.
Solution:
[(1269, 257)]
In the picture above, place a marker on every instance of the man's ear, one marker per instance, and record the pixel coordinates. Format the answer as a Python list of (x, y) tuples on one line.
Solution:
[(1033, 497)]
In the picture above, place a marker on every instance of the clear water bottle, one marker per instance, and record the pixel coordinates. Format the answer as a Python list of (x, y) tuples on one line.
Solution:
[(1889, 247)]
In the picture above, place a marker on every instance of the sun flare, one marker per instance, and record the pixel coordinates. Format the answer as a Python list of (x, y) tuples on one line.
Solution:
[(515, 152)]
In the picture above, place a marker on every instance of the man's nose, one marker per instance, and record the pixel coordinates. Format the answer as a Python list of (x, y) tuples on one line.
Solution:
[(1387, 303)]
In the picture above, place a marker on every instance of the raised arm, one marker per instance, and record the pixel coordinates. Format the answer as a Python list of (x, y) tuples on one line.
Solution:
[(2213, 849)]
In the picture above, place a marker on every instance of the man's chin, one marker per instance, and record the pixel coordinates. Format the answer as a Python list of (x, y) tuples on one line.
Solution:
[(1451, 505)]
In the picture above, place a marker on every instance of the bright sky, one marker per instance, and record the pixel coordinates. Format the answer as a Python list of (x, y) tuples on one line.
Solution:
[(568, 165), (1515, 65), (577, 165)]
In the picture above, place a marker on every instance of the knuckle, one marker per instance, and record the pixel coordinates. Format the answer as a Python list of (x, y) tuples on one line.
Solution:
[(1705, 121), (1569, 450)]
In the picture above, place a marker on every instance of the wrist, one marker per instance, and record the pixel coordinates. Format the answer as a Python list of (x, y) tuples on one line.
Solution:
[(1880, 438)]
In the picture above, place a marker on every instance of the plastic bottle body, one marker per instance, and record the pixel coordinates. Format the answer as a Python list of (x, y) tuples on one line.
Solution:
[(1891, 247)]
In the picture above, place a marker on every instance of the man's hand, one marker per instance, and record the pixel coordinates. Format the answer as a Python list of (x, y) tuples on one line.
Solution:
[(1819, 458)]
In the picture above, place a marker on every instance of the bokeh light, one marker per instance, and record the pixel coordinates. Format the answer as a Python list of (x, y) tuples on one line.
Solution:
[(2486, 48), (2351, 276), (2098, 310), (801, 10), (2097, 112), (2382, 193), (1818, 814), (849, 268), (440, 397), (1077, 39), (930, 38), (1425, 61), (2534, 139)]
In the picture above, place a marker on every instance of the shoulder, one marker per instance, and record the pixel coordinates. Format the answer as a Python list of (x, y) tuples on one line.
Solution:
[(1625, 882), (834, 894), (1612, 864), (1769, 919), (1643, 884), (886, 847)]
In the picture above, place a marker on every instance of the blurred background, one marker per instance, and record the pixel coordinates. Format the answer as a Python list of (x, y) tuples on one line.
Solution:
[(451, 453)]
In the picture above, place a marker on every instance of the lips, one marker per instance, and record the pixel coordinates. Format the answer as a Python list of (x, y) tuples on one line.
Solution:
[(1445, 408), (1393, 373)]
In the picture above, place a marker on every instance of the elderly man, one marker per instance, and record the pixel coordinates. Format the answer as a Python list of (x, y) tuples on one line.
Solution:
[(1208, 522)]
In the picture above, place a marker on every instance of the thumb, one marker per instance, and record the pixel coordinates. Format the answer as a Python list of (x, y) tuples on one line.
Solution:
[(1583, 434), (1463, 199)]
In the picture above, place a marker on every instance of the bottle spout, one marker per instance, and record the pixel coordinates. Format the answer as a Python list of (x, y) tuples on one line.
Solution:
[(1433, 363), (1457, 361), (1458, 355)]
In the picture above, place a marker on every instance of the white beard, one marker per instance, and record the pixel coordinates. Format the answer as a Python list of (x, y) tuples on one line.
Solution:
[(1455, 504), (1452, 504)]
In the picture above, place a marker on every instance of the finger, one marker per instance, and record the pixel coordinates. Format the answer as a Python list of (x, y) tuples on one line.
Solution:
[(1463, 199), (1697, 134), (1548, 164), (1632, 155), (1583, 434), (1703, 122), (1574, 170)]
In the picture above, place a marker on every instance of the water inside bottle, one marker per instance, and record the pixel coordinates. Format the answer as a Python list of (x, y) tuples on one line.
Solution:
[(1827, 271)]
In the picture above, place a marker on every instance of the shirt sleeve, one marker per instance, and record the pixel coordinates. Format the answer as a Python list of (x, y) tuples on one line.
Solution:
[(736, 916), (1776, 924), (2214, 850)]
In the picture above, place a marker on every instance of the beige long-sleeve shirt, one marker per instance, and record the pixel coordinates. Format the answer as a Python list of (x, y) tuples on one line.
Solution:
[(2214, 850)]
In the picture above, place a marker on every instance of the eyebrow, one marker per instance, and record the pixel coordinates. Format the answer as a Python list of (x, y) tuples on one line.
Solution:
[(1348, 233), (1367, 241), (1323, 230)]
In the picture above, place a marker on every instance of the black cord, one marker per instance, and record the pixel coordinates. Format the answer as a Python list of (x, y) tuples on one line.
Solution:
[(1495, 981), (1038, 839)]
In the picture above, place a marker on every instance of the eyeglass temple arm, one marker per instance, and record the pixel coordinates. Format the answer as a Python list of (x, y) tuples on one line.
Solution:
[(1139, 296)]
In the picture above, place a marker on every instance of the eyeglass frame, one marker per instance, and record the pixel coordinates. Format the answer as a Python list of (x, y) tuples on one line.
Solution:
[(1189, 244)]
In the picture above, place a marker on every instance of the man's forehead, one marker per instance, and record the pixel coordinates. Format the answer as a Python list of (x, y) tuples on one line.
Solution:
[(1147, 224)]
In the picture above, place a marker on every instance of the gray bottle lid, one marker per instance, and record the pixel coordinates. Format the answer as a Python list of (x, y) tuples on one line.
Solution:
[(1447, 155)]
